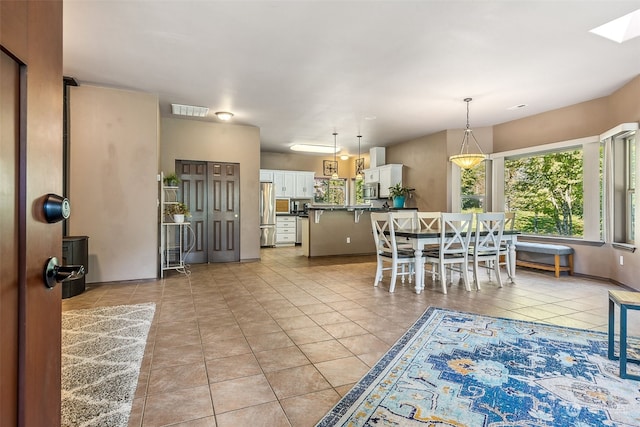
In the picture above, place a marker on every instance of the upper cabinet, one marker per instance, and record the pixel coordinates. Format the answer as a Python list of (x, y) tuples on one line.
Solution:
[(371, 175), (291, 184), (266, 175), (284, 183), (386, 175), (304, 185)]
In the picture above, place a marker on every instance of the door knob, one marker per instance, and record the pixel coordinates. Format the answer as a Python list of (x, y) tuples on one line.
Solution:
[(56, 273)]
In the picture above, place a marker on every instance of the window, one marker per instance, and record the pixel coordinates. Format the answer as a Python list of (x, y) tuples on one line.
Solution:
[(547, 192), (619, 151), (472, 191)]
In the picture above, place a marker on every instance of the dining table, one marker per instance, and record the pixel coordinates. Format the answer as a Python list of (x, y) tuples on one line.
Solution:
[(421, 237)]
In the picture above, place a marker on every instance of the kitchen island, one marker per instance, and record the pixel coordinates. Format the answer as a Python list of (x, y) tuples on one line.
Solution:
[(338, 230)]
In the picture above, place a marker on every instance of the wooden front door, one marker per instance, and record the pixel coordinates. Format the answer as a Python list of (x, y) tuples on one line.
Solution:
[(30, 167)]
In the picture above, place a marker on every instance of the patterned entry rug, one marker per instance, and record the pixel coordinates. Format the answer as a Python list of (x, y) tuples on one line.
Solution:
[(460, 369), (102, 349)]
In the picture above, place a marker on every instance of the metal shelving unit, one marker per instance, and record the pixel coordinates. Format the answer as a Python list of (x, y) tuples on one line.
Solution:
[(173, 235)]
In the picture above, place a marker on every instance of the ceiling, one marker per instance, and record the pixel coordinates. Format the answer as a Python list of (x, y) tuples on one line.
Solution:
[(388, 70)]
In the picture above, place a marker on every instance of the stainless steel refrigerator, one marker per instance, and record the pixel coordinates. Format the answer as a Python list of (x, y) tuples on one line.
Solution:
[(267, 214)]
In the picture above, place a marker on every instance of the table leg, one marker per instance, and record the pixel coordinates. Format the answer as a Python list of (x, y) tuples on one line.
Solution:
[(611, 337), (623, 341)]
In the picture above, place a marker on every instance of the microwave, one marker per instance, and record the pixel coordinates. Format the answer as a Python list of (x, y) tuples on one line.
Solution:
[(371, 190)]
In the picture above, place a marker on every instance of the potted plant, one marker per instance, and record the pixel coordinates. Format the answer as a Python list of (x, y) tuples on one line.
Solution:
[(398, 193), (177, 211), (171, 180)]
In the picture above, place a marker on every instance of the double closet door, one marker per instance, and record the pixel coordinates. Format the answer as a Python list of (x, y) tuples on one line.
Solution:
[(211, 190)]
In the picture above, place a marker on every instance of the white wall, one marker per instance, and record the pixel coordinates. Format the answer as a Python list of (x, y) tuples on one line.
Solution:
[(113, 188)]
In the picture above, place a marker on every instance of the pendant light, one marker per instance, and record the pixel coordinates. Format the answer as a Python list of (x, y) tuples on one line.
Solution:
[(465, 159), (358, 171), (334, 175)]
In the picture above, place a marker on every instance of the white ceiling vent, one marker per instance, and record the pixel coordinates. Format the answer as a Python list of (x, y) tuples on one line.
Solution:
[(189, 110)]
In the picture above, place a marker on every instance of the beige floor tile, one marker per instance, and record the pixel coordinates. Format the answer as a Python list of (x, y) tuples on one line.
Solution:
[(241, 393), (269, 341), (227, 368), (308, 335), (171, 356), (362, 344), (178, 377), (170, 408), (308, 409), (225, 347), (345, 329), (265, 415), (342, 371), (296, 381), (281, 358), (325, 350)]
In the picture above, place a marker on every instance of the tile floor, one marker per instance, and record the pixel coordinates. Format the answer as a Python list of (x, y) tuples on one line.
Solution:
[(278, 342)]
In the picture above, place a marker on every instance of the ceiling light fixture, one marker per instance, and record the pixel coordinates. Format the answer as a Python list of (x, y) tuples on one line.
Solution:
[(310, 148), (358, 169), (344, 157), (189, 110), (224, 115), (334, 175), (465, 159)]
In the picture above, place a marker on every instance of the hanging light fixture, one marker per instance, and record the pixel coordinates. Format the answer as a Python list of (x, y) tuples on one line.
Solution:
[(465, 159), (334, 175), (358, 170)]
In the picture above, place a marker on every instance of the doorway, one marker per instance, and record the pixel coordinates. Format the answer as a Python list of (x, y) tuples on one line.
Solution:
[(211, 190)]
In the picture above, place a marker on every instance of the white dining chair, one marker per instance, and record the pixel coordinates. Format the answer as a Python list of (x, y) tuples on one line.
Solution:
[(453, 248), (429, 222), (403, 220), (401, 261), (505, 254), (486, 245)]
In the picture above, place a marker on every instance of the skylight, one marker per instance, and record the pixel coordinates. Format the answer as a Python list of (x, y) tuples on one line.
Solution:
[(621, 29)]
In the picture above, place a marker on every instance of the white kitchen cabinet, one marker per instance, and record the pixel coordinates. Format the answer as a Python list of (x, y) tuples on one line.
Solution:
[(304, 185), (390, 175), (286, 230), (266, 175), (371, 175), (284, 183)]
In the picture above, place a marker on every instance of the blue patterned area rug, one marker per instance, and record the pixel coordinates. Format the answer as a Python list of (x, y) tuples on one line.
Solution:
[(460, 369)]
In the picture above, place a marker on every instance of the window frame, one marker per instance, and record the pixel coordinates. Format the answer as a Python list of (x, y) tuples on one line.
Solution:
[(618, 213)]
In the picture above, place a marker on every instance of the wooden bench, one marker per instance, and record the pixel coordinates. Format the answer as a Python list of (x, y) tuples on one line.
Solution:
[(547, 249)]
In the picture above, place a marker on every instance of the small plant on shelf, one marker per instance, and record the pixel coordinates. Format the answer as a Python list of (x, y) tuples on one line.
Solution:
[(178, 211), (171, 180)]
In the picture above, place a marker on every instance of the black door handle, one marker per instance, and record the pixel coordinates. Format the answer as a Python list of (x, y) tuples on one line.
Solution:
[(56, 273)]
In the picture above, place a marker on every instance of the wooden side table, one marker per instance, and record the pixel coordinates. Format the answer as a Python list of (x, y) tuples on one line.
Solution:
[(626, 301)]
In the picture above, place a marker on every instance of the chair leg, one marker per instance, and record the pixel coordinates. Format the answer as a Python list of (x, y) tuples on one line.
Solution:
[(378, 278), (465, 275), (394, 276), (476, 281), (496, 267), (443, 277)]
